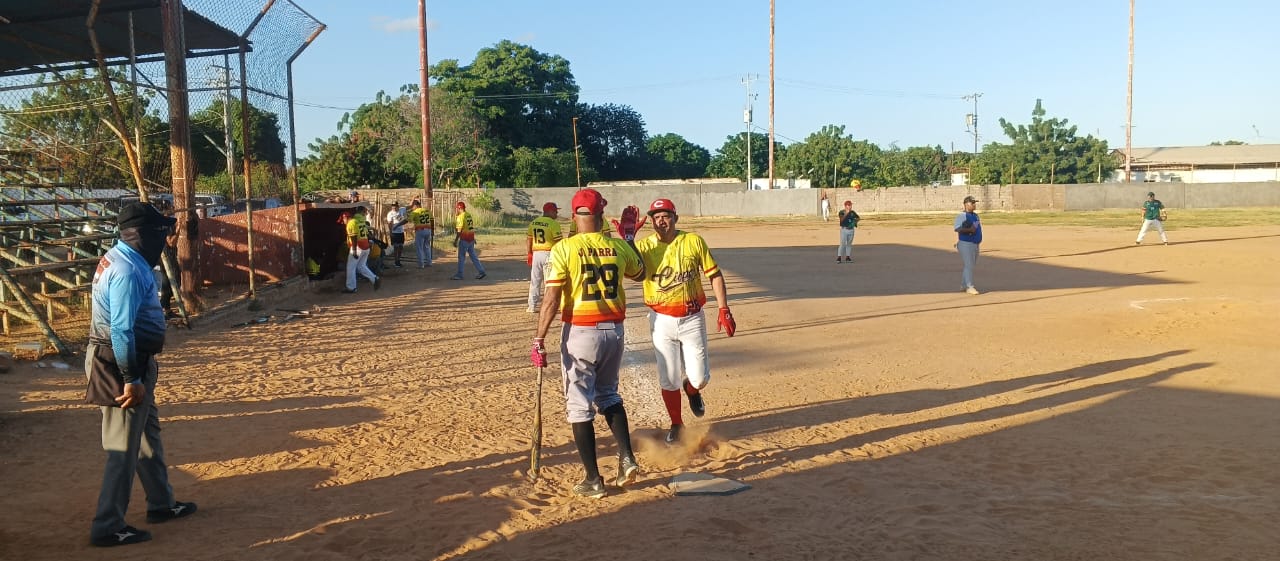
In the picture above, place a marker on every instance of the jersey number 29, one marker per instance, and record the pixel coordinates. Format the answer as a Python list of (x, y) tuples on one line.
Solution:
[(593, 276)]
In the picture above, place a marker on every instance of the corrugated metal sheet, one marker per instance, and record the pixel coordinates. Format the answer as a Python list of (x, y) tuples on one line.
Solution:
[(1240, 154)]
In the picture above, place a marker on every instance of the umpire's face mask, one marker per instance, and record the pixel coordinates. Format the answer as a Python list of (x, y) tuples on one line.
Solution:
[(148, 240)]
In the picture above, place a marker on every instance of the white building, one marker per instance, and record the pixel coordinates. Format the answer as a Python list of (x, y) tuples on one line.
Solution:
[(1238, 163)]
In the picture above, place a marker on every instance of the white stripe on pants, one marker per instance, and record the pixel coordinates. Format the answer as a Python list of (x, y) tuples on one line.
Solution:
[(537, 277), (358, 262), (969, 255), (1159, 228), (422, 244), (680, 347), (846, 243)]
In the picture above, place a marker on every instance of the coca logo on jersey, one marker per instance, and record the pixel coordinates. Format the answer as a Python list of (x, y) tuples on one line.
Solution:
[(667, 278)]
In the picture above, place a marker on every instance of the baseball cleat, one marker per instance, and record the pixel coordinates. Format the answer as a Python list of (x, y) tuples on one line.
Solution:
[(628, 469), (377, 283), (178, 510), (673, 434), (126, 536), (590, 488), (972, 290), (695, 402), (481, 276), (456, 277)]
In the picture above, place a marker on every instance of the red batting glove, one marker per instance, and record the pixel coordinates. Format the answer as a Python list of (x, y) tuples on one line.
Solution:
[(538, 354), (726, 322), (627, 227), (528, 258)]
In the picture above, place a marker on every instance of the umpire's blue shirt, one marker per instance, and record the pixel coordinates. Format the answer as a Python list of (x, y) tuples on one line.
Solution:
[(126, 308)]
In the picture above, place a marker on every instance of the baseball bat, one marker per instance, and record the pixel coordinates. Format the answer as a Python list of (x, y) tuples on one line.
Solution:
[(535, 450)]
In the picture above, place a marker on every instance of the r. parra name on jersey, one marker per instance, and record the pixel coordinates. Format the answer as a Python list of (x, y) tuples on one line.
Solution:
[(597, 252)]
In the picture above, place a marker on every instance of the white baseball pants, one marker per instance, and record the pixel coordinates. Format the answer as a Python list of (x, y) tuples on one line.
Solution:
[(680, 347), (537, 277), (1146, 224), (846, 243), (358, 262)]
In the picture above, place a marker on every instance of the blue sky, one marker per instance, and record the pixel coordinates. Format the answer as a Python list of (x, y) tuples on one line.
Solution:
[(890, 72)]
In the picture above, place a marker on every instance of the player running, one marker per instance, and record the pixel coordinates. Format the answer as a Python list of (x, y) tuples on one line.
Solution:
[(675, 262), (544, 232), (585, 275)]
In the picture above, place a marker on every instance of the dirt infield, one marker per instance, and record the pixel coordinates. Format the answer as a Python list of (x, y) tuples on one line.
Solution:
[(1097, 401)]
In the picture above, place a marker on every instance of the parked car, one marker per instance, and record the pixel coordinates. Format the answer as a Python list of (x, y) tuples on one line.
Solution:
[(209, 206)]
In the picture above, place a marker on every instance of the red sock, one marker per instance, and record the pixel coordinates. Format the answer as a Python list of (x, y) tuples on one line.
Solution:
[(672, 400), (689, 389)]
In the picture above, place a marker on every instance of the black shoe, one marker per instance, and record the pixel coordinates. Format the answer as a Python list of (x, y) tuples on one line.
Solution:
[(377, 283), (628, 469), (673, 434), (398, 265), (125, 536), (696, 405), (590, 488), (178, 510), (481, 275), (848, 260), (348, 291)]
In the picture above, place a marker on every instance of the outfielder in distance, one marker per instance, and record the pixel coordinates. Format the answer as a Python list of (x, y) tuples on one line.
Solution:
[(848, 225), (969, 231), (584, 285), (1152, 215), (675, 262), (544, 233)]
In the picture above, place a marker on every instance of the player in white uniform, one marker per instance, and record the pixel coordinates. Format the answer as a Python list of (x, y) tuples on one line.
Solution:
[(675, 263)]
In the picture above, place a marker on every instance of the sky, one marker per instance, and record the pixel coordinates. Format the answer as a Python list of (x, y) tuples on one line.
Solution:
[(893, 73)]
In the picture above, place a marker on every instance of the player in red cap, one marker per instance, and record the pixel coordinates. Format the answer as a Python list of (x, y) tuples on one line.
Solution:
[(544, 232), (584, 286), (464, 238), (675, 262)]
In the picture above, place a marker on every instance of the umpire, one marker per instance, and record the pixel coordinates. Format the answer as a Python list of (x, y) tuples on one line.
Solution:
[(126, 331)]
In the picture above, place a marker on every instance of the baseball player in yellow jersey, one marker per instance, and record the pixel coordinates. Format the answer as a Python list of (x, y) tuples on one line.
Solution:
[(424, 226), (544, 232), (464, 237), (675, 263), (584, 285), (358, 251)]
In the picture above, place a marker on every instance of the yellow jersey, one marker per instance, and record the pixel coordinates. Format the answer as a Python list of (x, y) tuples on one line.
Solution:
[(674, 271), (589, 269), (358, 231), (421, 219), (465, 225), (545, 232)]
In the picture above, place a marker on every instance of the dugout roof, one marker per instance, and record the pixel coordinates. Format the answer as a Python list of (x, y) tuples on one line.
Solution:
[(36, 35)]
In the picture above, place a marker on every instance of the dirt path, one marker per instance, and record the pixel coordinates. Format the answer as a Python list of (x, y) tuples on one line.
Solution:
[(1098, 401)]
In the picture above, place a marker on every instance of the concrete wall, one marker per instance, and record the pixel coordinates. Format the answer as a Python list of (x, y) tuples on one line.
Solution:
[(718, 198)]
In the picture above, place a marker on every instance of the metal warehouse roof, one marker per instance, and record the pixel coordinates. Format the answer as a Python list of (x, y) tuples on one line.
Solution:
[(1238, 154)]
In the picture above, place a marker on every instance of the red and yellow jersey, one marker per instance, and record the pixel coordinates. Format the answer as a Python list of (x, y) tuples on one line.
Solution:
[(589, 268), (421, 219), (465, 225), (358, 231), (674, 271), (545, 232)]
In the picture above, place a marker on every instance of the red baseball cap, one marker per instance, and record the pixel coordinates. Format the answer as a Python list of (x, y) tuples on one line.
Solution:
[(549, 207), (848, 203), (342, 219), (461, 205), (589, 199), (662, 205)]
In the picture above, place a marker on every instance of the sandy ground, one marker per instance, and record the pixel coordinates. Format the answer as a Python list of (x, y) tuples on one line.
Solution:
[(1098, 401)]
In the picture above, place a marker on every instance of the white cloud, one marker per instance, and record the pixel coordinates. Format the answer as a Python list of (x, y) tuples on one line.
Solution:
[(401, 25)]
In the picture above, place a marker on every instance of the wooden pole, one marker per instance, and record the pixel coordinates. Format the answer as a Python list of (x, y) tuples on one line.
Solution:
[(425, 95), (1128, 107), (771, 92), (246, 144), (180, 160), (30, 309)]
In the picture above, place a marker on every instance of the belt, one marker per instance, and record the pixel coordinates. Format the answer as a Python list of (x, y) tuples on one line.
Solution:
[(603, 325)]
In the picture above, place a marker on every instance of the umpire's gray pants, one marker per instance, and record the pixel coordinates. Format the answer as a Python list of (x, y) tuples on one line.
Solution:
[(422, 244), (846, 243), (131, 438), (969, 255)]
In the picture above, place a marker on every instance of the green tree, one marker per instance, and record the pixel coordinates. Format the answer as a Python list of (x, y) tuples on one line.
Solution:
[(208, 137), (613, 141), (543, 167), (1044, 151), (918, 165), (731, 159), (525, 97), (62, 126), (831, 158), (674, 157)]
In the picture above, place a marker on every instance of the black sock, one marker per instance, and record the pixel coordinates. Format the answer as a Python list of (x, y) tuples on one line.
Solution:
[(616, 416), (584, 437)]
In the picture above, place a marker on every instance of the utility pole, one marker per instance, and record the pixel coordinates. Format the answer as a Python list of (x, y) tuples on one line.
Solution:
[(771, 26), (746, 117), (1128, 107), (425, 93), (576, 164), (972, 120)]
